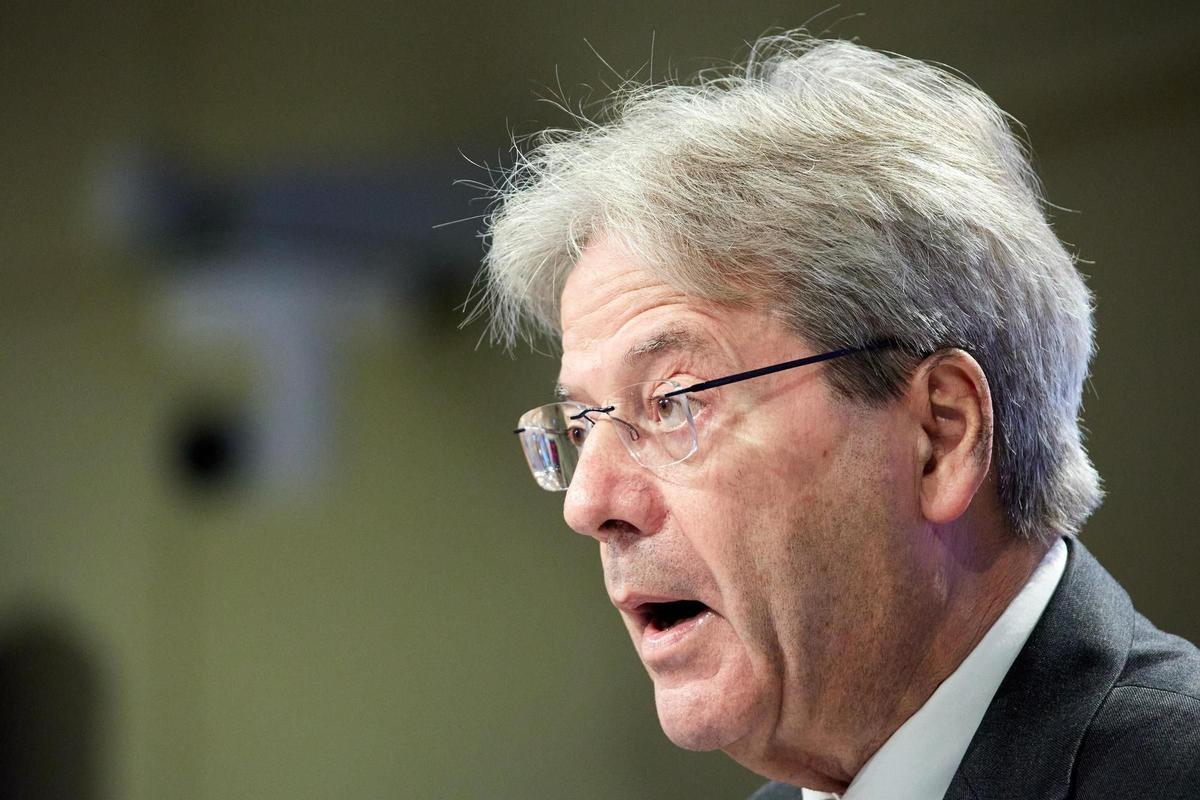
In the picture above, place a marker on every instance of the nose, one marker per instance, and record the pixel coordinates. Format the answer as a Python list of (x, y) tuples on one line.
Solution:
[(610, 493)]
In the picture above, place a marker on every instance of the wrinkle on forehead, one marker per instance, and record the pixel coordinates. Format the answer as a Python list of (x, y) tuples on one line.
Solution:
[(598, 312), (672, 338), (606, 287), (617, 313), (606, 290)]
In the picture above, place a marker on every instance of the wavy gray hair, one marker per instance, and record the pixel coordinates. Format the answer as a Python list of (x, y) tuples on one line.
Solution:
[(861, 196)]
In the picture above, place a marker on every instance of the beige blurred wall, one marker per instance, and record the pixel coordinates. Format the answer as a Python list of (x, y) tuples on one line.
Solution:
[(422, 624)]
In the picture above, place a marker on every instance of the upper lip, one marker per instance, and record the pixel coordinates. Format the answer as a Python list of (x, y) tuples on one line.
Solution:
[(633, 601), (636, 603)]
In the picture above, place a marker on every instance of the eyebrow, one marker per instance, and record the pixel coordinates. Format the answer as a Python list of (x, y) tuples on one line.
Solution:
[(668, 340), (671, 339)]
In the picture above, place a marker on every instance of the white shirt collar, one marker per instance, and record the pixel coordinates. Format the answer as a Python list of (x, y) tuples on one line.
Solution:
[(919, 760)]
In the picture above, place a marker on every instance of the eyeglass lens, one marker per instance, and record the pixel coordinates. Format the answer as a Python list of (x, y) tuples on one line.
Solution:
[(656, 430)]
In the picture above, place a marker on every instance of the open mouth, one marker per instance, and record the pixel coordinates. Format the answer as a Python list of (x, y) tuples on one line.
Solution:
[(664, 616)]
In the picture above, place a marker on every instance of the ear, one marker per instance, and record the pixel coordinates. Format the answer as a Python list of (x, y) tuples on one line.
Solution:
[(950, 396)]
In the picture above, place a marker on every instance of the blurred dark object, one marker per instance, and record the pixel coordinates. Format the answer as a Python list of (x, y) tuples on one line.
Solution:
[(350, 217), (49, 715), (275, 269), (210, 450)]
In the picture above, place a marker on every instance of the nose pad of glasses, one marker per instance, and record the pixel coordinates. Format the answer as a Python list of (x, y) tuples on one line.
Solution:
[(664, 448), (628, 430)]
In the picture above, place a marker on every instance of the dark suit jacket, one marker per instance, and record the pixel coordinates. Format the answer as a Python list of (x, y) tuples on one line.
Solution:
[(1099, 704)]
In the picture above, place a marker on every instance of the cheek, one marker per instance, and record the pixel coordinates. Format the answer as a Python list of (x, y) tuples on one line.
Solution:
[(738, 533), (788, 530)]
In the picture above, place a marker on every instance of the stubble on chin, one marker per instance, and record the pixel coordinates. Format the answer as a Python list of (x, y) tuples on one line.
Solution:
[(714, 713)]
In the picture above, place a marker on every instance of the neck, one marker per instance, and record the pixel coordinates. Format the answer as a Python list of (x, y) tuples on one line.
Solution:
[(975, 575)]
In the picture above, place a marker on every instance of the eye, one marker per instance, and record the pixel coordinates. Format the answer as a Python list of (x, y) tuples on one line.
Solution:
[(577, 431), (667, 412)]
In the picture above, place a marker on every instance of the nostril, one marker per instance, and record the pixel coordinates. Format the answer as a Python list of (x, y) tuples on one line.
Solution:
[(616, 527)]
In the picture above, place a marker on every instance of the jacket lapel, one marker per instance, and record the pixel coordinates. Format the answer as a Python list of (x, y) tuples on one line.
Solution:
[(1026, 745)]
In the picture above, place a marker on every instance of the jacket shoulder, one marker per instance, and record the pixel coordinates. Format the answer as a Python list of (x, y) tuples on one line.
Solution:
[(1144, 740), (1161, 660)]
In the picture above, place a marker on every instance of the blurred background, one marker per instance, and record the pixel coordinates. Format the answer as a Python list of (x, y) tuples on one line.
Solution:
[(264, 532)]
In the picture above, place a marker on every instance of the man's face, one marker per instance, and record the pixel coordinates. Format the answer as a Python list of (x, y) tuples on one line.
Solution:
[(785, 525)]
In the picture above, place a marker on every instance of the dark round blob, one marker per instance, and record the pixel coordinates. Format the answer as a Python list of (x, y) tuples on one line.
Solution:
[(210, 451)]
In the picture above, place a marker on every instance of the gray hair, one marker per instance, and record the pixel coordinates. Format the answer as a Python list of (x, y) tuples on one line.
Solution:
[(861, 196)]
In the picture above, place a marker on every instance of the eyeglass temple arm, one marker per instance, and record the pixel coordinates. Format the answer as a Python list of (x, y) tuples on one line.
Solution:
[(799, 362)]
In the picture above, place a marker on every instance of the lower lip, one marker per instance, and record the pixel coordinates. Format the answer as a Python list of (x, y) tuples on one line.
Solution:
[(659, 641)]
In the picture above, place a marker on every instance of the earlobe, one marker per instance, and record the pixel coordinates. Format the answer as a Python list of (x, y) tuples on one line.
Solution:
[(954, 404)]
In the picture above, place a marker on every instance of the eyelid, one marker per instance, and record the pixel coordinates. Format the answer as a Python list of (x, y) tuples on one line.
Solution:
[(697, 400), (684, 377)]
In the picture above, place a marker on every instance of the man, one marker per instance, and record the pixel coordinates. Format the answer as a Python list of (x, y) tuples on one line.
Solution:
[(822, 360)]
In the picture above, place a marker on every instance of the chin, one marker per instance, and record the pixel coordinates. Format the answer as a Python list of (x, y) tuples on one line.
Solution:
[(700, 720)]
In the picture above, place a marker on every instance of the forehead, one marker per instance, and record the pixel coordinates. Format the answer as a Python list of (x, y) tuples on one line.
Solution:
[(617, 316)]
